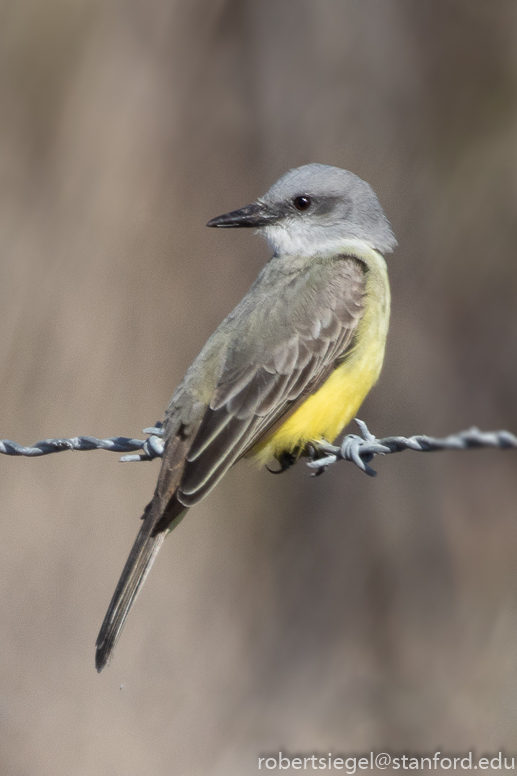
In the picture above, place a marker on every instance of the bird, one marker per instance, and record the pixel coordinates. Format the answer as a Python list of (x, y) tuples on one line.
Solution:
[(287, 368)]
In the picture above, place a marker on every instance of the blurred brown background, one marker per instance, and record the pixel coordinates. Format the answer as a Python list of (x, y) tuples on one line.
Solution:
[(338, 614)]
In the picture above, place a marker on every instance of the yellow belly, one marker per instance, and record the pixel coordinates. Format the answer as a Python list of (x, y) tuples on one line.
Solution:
[(325, 414)]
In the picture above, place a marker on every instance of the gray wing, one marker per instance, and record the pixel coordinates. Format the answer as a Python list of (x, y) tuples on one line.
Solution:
[(296, 343), (280, 343)]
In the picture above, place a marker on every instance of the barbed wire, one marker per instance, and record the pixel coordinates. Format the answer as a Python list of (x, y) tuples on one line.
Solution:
[(360, 450), (152, 446)]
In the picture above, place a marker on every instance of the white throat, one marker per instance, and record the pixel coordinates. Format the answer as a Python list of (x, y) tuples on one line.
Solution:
[(295, 239)]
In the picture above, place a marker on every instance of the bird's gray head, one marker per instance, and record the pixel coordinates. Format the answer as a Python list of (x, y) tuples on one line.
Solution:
[(316, 209)]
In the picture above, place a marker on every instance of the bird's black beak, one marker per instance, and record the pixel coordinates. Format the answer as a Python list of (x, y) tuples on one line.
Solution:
[(255, 215)]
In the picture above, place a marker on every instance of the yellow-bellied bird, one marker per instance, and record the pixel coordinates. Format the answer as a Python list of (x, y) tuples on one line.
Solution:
[(290, 365)]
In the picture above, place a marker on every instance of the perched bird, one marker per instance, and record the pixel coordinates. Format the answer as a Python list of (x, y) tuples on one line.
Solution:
[(289, 366)]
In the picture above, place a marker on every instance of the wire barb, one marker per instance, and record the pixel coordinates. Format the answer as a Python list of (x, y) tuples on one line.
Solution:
[(360, 450)]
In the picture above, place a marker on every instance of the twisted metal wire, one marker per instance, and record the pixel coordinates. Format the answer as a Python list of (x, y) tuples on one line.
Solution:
[(152, 446), (360, 450)]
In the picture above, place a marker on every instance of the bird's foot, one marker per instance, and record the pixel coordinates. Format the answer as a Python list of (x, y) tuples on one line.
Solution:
[(286, 460), (322, 454)]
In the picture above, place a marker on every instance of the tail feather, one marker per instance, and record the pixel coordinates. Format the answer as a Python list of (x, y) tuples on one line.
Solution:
[(138, 565)]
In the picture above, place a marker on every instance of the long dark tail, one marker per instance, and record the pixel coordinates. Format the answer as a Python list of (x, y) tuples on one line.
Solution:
[(138, 565)]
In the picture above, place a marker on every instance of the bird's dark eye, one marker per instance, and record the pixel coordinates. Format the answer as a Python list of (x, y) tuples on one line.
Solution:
[(302, 203)]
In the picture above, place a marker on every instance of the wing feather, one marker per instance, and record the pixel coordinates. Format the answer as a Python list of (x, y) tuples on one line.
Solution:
[(281, 343), (209, 462), (299, 348)]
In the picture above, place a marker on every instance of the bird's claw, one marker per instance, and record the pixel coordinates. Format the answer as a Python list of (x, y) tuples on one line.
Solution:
[(286, 460), (322, 455)]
